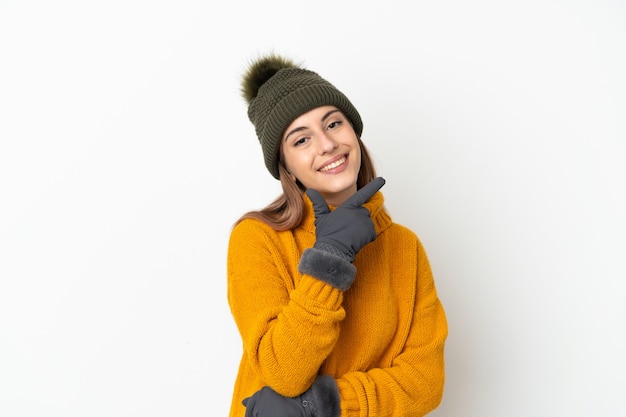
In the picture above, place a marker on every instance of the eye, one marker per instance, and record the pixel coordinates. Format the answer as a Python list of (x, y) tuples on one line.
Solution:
[(300, 141), (334, 124)]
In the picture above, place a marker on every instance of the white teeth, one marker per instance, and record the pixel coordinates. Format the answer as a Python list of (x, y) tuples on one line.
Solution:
[(334, 164)]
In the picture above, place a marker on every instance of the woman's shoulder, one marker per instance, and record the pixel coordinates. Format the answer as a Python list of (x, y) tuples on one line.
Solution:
[(252, 231), (400, 232), (248, 227), (248, 236)]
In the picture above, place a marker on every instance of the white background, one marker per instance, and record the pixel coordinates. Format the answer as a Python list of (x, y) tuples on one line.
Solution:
[(126, 155)]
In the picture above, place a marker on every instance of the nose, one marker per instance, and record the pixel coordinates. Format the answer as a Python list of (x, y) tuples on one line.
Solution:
[(326, 144)]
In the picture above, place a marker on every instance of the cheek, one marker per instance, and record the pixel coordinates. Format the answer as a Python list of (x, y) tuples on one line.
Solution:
[(300, 168), (295, 161)]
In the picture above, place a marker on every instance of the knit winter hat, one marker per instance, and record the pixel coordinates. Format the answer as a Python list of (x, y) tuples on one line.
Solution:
[(279, 91)]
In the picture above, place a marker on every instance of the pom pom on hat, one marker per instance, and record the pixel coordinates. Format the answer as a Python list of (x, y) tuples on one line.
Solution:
[(260, 71), (277, 92)]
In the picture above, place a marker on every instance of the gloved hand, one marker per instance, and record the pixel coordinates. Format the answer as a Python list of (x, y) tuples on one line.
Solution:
[(340, 234), (320, 400), (349, 227), (268, 403)]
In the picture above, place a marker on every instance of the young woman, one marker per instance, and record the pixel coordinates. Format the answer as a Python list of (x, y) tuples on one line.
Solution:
[(335, 303)]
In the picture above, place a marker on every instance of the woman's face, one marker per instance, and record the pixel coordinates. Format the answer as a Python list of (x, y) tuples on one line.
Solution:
[(320, 148)]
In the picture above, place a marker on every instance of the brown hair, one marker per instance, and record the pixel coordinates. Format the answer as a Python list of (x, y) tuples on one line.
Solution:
[(287, 210)]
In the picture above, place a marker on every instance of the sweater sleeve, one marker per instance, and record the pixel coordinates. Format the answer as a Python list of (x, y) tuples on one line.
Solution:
[(288, 323), (413, 383)]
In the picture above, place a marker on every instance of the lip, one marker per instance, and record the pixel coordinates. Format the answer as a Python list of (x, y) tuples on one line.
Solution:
[(332, 161)]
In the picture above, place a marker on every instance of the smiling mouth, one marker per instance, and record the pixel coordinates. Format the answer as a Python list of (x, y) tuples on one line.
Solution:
[(333, 165)]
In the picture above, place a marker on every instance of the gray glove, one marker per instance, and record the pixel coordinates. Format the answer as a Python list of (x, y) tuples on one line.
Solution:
[(268, 403), (340, 234), (320, 400)]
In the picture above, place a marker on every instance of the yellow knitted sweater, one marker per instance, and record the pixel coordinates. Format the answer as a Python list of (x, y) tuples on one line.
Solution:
[(382, 339)]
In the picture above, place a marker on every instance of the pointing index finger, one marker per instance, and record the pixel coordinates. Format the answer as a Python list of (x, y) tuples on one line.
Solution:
[(360, 197)]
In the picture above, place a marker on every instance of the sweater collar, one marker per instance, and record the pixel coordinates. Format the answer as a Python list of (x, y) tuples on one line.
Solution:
[(375, 205)]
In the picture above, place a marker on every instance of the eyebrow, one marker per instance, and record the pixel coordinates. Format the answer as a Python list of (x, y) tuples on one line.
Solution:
[(301, 128)]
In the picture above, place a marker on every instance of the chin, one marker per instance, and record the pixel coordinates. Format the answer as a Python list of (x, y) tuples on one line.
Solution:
[(338, 185)]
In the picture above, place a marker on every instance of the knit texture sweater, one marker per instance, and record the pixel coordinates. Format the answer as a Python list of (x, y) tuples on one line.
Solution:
[(382, 339)]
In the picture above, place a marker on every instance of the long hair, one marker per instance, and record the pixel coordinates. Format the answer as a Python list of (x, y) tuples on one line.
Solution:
[(287, 211)]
